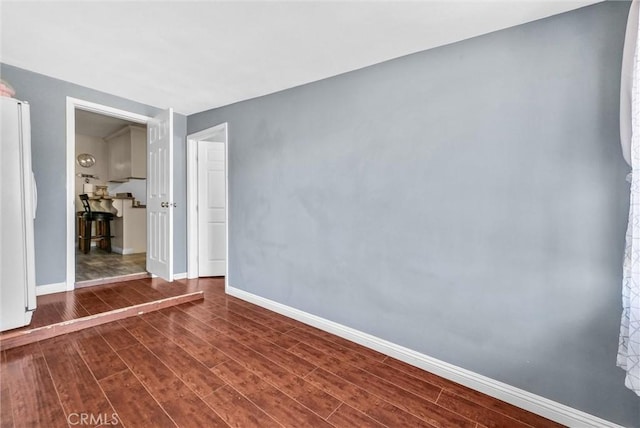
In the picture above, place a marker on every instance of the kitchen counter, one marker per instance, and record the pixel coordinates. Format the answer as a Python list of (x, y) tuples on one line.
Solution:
[(129, 227), (132, 198)]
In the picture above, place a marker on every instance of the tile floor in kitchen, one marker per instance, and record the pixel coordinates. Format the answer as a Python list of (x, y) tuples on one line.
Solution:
[(98, 264)]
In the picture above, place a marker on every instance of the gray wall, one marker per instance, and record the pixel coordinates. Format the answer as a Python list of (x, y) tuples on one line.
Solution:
[(47, 97), (468, 202)]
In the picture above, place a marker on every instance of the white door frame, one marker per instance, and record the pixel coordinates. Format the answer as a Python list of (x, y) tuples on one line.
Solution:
[(192, 194), (72, 105)]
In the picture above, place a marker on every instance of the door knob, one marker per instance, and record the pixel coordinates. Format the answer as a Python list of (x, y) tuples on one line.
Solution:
[(164, 204)]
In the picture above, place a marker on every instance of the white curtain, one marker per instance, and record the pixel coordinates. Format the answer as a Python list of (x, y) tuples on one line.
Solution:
[(629, 347)]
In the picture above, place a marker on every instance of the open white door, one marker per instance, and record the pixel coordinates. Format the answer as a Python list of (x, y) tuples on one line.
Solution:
[(212, 228), (160, 196)]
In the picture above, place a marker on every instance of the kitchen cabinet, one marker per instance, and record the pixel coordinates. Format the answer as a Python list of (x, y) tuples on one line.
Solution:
[(127, 154)]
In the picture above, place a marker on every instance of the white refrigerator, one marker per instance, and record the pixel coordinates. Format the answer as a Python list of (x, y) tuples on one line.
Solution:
[(18, 200)]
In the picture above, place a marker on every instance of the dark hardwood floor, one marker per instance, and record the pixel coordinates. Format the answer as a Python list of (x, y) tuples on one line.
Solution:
[(82, 302), (226, 362)]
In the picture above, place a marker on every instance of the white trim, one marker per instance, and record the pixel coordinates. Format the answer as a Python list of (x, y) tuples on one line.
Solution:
[(192, 195), (534, 403), (56, 287), (123, 251), (192, 211), (182, 275), (72, 105)]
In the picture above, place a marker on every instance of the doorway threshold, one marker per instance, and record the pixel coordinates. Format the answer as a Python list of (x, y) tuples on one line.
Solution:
[(111, 280), (24, 336)]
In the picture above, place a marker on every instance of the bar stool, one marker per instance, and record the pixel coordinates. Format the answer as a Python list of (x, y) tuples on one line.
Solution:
[(103, 227)]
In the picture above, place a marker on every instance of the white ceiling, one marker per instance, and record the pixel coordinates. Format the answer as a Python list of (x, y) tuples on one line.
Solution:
[(194, 56)]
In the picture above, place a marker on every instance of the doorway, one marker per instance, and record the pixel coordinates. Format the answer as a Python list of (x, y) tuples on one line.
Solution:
[(111, 170), (95, 265), (207, 196)]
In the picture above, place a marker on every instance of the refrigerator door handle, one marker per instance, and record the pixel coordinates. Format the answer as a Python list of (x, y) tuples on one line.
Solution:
[(35, 194)]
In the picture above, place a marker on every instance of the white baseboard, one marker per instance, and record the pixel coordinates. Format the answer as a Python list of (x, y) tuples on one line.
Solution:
[(57, 287), (124, 251), (534, 403)]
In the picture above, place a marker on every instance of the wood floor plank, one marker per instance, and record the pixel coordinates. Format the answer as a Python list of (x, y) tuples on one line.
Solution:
[(466, 394), (369, 404), (275, 403), (199, 313), (77, 388), (175, 397), (475, 396), (238, 329), (178, 315), (403, 380), (189, 411), (116, 335), (34, 398), (247, 319), (284, 358), (476, 412), (131, 295), (93, 304), (72, 308), (232, 348), (348, 417), (424, 375), (200, 349), (142, 331), (98, 355), (295, 387), (6, 410), (150, 292), (52, 298), (209, 333), (269, 320), (205, 332), (45, 315), (352, 352), (187, 368), (425, 409), (280, 339), (133, 404), (237, 411), (342, 343), (112, 298)]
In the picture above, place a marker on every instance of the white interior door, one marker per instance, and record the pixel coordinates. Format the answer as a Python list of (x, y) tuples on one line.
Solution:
[(212, 234), (160, 195)]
